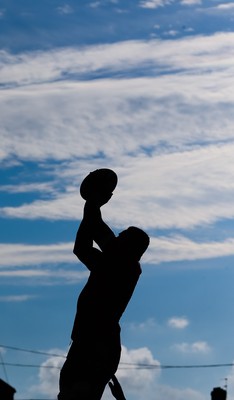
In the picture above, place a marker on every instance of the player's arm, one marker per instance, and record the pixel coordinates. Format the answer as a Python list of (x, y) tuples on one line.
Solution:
[(92, 228)]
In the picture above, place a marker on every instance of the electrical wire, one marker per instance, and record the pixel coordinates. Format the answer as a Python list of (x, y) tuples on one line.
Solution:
[(122, 365), (31, 351), (130, 366), (28, 365)]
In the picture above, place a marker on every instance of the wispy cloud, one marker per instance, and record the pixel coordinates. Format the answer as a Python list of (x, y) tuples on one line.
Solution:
[(147, 325), (162, 249), (65, 9), (178, 322), (152, 190), (219, 9), (44, 264), (29, 187), (152, 4), (171, 140), (22, 254), (180, 248), (200, 347), (95, 4), (48, 277), (16, 298), (188, 54), (52, 263), (225, 6), (190, 2)]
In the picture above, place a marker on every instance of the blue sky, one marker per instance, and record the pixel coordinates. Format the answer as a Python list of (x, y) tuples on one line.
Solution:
[(145, 88)]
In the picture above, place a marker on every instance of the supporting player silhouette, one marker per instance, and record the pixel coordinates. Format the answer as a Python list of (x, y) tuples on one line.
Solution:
[(95, 351)]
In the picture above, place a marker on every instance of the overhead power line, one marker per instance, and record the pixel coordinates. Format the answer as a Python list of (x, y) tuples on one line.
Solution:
[(31, 351), (130, 366), (28, 365), (122, 365)]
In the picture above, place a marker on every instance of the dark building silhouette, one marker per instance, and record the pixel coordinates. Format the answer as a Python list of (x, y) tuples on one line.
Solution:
[(6, 391), (218, 394)]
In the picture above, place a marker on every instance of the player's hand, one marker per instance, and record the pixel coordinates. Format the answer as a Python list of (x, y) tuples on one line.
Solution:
[(100, 199), (116, 389)]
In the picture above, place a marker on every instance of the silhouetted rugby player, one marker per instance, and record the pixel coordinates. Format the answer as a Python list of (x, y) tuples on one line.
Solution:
[(94, 355)]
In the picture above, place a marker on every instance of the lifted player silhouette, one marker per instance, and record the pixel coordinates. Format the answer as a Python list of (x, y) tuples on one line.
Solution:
[(95, 351)]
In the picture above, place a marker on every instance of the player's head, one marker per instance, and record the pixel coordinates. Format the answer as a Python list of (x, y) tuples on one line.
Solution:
[(134, 241)]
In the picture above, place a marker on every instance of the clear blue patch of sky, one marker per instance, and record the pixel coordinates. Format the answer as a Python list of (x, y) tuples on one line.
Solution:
[(40, 232), (198, 288), (38, 324), (203, 296), (44, 309)]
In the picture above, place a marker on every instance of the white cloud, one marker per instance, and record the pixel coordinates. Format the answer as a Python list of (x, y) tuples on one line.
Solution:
[(171, 32), (147, 325), (49, 376), (196, 347), (194, 53), (95, 4), (65, 9), (136, 382), (176, 248), (130, 374), (22, 254), (222, 9), (125, 107), (17, 260), (133, 378), (171, 139), (16, 298), (190, 2), (30, 187), (181, 189), (164, 249), (44, 276), (178, 322), (154, 3), (47, 264), (31, 261), (225, 6)]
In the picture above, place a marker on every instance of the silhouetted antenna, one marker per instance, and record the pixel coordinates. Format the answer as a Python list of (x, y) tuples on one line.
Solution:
[(226, 384)]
